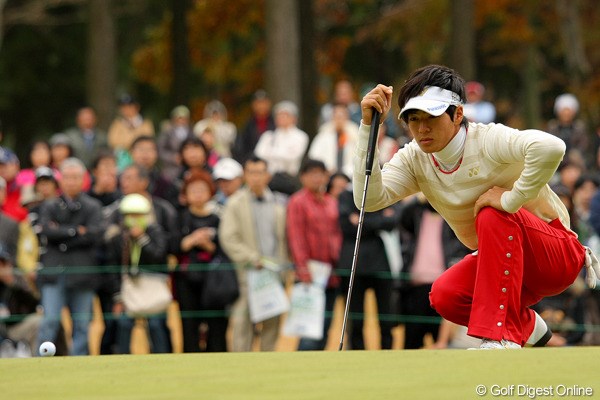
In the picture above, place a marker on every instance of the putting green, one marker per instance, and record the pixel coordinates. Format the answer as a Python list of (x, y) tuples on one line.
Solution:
[(417, 374)]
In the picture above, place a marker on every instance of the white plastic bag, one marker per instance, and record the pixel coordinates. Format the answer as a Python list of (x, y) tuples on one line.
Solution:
[(307, 312), (266, 296)]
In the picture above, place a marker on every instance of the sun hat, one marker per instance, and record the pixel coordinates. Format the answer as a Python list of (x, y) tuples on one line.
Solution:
[(432, 100)]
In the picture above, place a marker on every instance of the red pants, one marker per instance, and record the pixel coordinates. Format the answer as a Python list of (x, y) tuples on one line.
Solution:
[(520, 260)]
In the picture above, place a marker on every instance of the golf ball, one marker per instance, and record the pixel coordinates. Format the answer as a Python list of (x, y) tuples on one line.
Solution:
[(47, 349)]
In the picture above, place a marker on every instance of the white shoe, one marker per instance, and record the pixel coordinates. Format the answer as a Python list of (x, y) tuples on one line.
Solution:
[(489, 344), (541, 333)]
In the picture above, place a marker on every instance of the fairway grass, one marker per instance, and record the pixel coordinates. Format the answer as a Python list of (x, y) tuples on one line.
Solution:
[(415, 374)]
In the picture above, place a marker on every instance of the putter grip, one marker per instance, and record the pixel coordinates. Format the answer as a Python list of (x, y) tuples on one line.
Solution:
[(372, 141)]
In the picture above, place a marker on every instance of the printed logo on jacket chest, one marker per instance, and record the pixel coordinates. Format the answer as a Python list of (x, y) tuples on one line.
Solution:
[(473, 171)]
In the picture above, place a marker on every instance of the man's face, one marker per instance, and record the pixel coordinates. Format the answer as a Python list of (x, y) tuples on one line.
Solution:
[(314, 180), (71, 181), (433, 133), (229, 186), (46, 188), (256, 176), (131, 182), (284, 120), (86, 119), (144, 154)]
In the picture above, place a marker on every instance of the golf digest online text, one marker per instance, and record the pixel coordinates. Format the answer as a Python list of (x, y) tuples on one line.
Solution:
[(533, 392)]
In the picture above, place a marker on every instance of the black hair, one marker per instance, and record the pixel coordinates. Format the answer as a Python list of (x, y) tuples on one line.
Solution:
[(311, 164), (142, 172), (141, 139), (102, 154), (586, 178), (333, 177), (433, 75), (255, 159)]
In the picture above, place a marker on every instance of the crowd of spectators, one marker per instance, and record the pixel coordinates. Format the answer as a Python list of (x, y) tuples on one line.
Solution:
[(88, 208)]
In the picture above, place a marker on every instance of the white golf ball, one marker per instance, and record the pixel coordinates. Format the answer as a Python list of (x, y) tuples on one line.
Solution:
[(47, 349)]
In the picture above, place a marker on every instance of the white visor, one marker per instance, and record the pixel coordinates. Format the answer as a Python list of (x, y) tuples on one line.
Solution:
[(433, 100)]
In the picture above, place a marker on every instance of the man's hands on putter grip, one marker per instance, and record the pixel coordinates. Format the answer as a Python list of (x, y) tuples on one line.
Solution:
[(379, 98)]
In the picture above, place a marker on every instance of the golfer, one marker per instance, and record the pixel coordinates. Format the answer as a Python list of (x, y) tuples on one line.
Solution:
[(489, 182)]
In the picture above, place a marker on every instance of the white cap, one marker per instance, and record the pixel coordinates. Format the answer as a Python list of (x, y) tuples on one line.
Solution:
[(566, 100), (135, 204), (228, 169), (433, 100)]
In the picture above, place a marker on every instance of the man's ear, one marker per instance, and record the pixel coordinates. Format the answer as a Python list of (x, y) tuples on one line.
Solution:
[(458, 115)]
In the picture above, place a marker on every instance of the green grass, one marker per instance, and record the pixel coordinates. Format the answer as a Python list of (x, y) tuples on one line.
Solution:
[(420, 374)]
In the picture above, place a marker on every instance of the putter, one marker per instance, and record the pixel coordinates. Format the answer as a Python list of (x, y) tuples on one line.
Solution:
[(370, 156)]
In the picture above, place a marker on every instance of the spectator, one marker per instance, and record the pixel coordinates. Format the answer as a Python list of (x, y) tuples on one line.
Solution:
[(19, 320), (215, 116), (252, 229), (313, 230), (571, 129), (71, 224), (194, 156), (429, 247), (386, 145), (170, 139), (45, 188), (137, 243), (343, 94), (106, 182), (337, 184), (284, 147), (9, 169), (85, 137), (61, 149), (207, 136), (584, 190), (568, 173), (9, 227), (199, 246), (39, 156), (135, 179), (477, 109), (126, 128), (260, 122), (335, 141), (228, 174), (144, 152), (372, 268), (105, 190)]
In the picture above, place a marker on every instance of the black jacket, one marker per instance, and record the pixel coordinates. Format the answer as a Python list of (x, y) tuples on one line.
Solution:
[(66, 248), (371, 257)]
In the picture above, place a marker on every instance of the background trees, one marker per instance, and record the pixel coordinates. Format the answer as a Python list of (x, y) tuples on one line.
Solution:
[(56, 55)]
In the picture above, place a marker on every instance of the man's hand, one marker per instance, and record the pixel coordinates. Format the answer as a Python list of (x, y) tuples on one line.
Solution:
[(380, 98), (490, 198)]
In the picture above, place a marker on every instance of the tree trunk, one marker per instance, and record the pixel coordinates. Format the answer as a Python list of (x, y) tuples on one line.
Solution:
[(531, 88), (283, 51), (2, 4), (181, 59), (101, 60), (462, 38), (310, 108), (574, 47)]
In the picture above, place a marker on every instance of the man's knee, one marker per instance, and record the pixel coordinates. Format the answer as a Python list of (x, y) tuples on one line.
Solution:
[(439, 297)]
